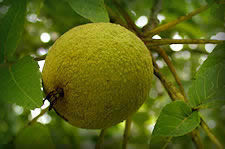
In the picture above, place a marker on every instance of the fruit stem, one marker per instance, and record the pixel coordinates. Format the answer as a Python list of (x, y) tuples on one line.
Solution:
[(53, 96), (99, 144), (126, 133)]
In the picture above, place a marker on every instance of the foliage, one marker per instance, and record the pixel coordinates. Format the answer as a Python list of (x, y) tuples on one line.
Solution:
[(23, 80), (176, 119), (22, 22), (208, 88)]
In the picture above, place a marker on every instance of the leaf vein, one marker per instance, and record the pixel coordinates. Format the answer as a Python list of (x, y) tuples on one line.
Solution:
[(20, 88)]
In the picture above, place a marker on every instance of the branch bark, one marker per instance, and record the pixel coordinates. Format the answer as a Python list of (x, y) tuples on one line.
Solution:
[(40, 58), (167, 85), (153, 20), (115, 17), (163, 54), (175, 95), (171, 90), (128, 19)]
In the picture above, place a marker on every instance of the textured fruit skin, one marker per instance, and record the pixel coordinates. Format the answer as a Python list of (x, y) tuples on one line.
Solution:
[(105, 72)]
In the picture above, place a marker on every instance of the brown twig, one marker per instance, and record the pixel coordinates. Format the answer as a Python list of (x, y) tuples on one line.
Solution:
[(165, 83), (40, 58), (159, 42), (153, 20), (174, 95), (211, 135), (126, 133), (115, 17), (171, 90), (128, 19), (163, 54), (175, 22), (99, 144)]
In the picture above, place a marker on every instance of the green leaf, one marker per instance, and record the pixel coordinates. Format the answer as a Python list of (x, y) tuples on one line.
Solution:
[(209, 86), (11, 28), (210, 2), (94, 10), (21, 83), (35, 134), (176, 119)]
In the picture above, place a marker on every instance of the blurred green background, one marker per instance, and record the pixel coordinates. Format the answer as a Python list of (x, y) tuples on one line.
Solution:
[(46, 20)]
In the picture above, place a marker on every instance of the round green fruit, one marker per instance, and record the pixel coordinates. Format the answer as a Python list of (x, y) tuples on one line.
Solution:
[(105, 72)]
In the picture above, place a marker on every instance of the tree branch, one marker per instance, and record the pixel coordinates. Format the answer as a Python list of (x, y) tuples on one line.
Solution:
[(174, 95), (172, 91), (175, 22), (126, 133), (159, 42), (210, 134), (40, 58), (153, 20), (167, 85), (99, 144), (163, 54), (115, 17), (128, 19)]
